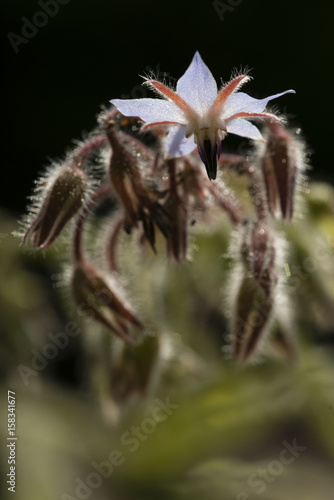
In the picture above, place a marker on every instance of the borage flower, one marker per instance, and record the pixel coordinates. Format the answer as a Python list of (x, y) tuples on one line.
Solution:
[(200, 114)]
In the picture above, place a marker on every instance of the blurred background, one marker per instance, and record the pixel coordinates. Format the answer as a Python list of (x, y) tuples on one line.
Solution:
[(229, 426)]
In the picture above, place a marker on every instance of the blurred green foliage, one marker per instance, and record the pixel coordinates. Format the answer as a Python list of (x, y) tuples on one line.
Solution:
[(227, 425)]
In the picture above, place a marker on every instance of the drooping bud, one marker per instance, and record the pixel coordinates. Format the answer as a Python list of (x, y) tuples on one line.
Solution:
[(258, 253), (139, 202), (176, 231), (256, 295), (252, 313), (63, 199), (125, 177), (95, 293), (177, 238), (281, 161)]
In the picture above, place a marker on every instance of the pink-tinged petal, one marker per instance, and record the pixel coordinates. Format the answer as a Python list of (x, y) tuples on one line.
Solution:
[(269, 116), (197, 86), (230, 88), (157, 124), (177, 144), (241, 102), (167, 92), (244, 128), (150, 110)]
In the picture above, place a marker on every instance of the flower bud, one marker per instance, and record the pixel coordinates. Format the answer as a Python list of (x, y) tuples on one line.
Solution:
[(175, 228), (256, 294), (177, 233), (139, 201), (258, 253), (64, 197), (125, 177), (99, 295), (280, 163), (252, 314)]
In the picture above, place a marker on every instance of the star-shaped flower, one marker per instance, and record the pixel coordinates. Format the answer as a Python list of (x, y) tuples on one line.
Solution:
[(200, 114)]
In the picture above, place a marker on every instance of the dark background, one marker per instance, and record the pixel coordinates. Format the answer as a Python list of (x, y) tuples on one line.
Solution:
[(90, 52)]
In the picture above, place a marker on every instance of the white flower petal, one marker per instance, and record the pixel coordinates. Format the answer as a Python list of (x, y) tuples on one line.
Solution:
[(150, 110), (177, 144), (197, 86), (244, 128), (241, 102)]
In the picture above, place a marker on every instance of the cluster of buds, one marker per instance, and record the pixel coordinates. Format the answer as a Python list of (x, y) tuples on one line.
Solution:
[(163, 180)]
